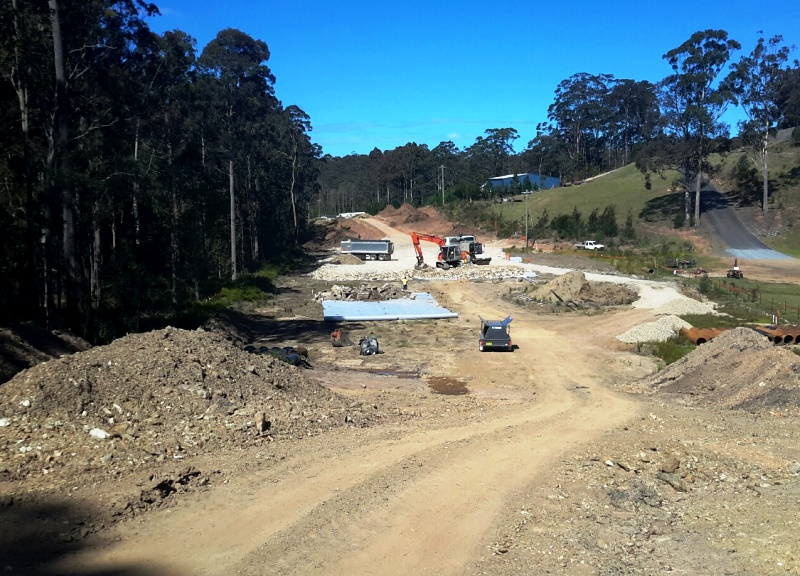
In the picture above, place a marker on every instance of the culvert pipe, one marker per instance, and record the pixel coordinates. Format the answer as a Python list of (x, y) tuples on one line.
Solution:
[(701, 335), (774, 334)]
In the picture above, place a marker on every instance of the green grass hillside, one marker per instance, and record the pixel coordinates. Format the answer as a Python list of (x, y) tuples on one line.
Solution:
[(624, 188)]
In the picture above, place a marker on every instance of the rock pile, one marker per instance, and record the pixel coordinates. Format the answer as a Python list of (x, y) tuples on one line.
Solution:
[(169, 394), (573, 289), (386, 291)]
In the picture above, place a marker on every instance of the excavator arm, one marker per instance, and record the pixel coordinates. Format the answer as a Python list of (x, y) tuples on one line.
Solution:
[(415, 238)]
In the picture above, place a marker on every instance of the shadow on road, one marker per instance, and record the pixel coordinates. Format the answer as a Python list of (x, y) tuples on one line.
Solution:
[(36, 535)]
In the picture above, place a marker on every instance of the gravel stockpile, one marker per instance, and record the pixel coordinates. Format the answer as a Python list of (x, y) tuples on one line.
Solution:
[(683, 305), (659, 331), (394, 270)]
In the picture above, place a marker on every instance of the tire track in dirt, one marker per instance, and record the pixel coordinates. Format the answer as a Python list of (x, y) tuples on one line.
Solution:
[(367, 506)]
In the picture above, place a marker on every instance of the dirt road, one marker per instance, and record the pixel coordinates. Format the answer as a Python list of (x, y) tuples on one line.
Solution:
[(399, 501), (537, 464)]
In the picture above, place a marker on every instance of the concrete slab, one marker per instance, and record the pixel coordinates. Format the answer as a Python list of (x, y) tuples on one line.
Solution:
[(419, 306)]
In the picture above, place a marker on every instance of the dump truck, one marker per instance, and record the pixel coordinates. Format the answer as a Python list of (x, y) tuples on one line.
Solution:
[(495, 335), (369, 249)]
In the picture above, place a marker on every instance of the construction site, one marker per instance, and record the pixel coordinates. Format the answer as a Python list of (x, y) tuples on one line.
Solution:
[(359, 422)]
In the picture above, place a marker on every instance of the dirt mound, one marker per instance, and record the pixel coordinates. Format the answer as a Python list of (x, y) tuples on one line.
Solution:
[(405, 215), (346, 259), (573, 287), (739, 369), (167, 394)]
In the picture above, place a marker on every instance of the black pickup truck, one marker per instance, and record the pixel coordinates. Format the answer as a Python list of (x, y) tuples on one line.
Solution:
[(495, 335)]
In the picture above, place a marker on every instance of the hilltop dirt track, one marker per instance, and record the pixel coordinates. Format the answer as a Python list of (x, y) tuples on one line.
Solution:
[(430, 458)]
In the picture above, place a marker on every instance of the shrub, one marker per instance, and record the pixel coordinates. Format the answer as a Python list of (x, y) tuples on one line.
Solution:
[(705, 284)]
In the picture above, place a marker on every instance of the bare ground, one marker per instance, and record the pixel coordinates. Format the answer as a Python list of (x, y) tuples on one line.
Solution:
[(558, 458)]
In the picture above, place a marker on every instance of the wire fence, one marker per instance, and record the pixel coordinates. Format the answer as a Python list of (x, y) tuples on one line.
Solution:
[(779, 309)]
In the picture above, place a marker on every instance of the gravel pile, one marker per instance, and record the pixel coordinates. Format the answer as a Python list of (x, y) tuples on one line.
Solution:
[(391, 271), (659, 331), (683, 305)]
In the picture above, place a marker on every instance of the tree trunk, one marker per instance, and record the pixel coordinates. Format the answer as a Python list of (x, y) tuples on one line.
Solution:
[(173, 231), (233, 221), (72, 283), (765, 172), (291, 190), (698, 184), (20, 82), (96, 257), (136, 224)]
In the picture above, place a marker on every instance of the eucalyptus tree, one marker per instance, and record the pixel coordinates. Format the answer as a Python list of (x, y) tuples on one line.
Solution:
[(547, 154), (788, 97), (301, 153), (447, 165), (694, 103), (634, 114), (238, 80), (580, 117), (25, 52), (756, 82), (69, 58)]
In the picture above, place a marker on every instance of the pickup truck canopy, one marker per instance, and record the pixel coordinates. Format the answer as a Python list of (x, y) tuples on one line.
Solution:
[(501, 323)]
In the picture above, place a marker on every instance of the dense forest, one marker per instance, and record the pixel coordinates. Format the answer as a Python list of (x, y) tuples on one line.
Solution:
[(139, 173)]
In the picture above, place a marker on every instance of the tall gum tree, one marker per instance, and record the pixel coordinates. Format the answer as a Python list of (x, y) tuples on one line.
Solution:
[(756, 81), (236, 63), (696, 65)]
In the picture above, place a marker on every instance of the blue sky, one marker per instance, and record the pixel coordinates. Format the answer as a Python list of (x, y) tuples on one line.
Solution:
[(382, 74)]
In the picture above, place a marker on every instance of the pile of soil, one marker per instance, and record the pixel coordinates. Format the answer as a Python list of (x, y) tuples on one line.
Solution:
[(346, 259), (406, 214), (573, 287), (739, 369), (427, 220), (168, 394), (329, 235)]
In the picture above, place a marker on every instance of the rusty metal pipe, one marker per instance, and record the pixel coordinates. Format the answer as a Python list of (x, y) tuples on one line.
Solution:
[(701, 335), (774, 334)]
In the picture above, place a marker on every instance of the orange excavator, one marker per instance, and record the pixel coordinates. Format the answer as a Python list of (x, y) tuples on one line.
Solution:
[(449, 254)]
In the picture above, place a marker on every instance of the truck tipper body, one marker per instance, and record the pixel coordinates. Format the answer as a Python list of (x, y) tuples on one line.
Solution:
[(369, 249)]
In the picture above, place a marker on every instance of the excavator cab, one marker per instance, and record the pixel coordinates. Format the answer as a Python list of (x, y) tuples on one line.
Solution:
[(449, 256)]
